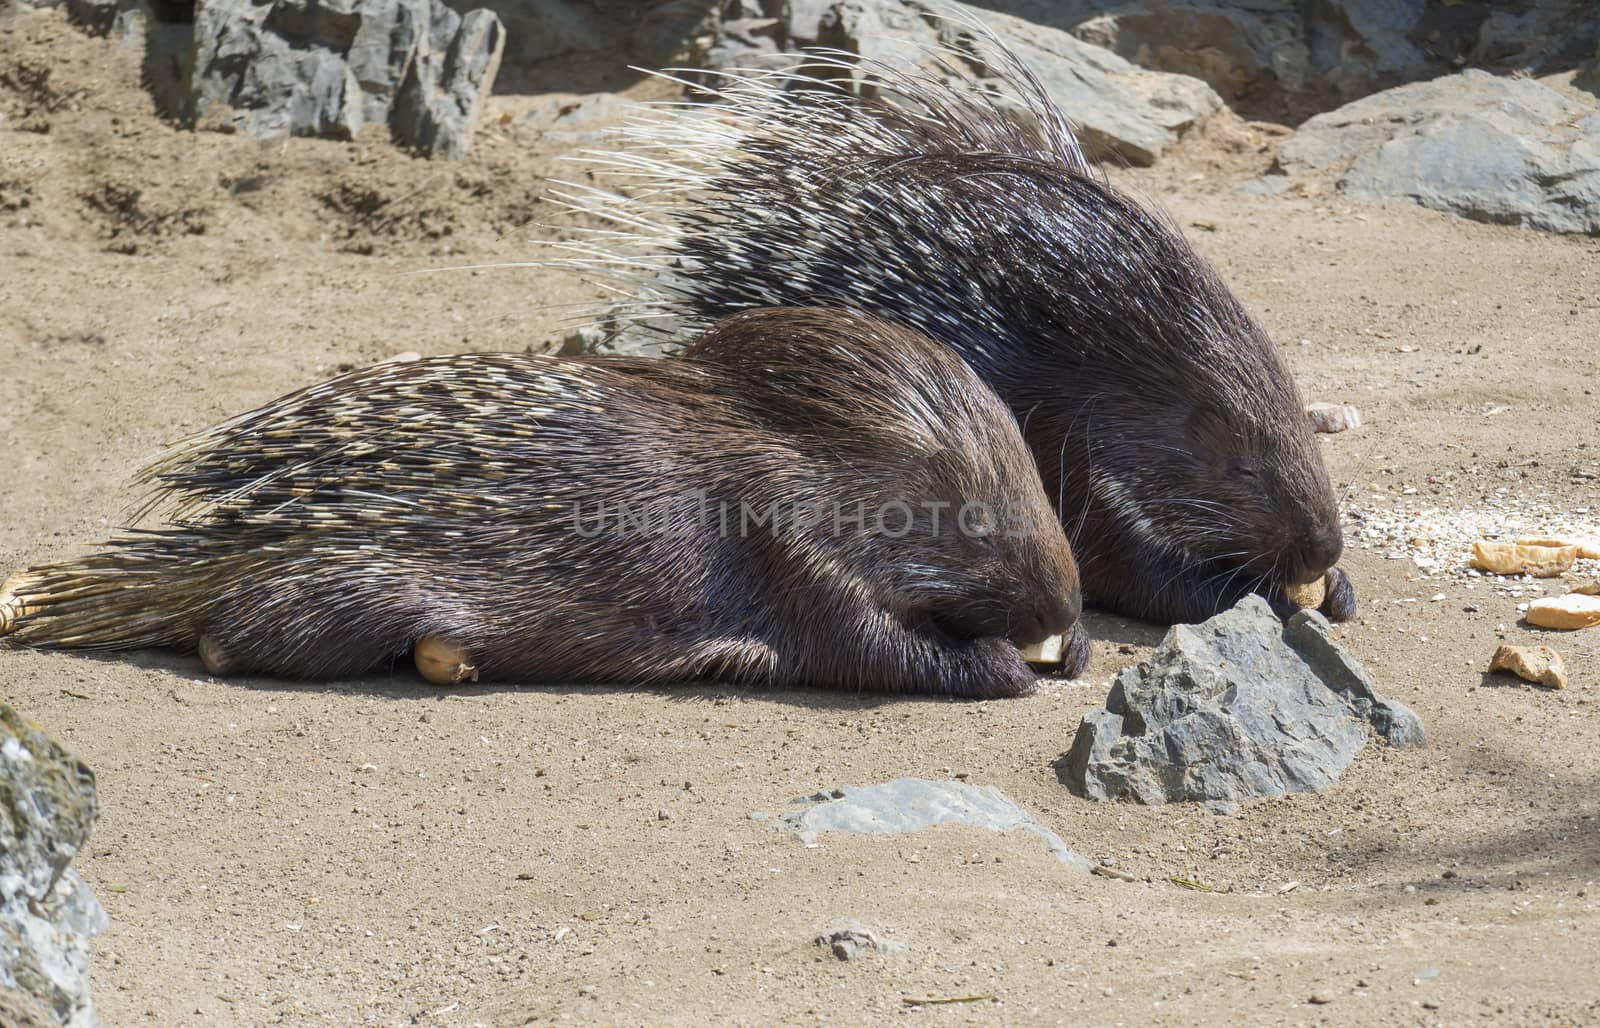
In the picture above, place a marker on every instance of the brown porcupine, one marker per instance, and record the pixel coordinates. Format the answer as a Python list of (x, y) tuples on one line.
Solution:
[(809, 497), (1165, 424)]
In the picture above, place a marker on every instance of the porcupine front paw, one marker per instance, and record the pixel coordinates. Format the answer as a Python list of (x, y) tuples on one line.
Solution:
[(1075, 651), (1339, 598), (997, 671)]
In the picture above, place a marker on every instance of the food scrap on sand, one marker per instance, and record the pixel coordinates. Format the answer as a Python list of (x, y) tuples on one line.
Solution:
[(1588, 548), (1523, 558), (1574, 610), (1538, 664)]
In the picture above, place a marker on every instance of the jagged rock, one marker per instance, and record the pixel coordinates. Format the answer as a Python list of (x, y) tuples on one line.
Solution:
[(448, 82), (47, 913), (331, 67), (1237, 707), (911, 804), (1497, 149)]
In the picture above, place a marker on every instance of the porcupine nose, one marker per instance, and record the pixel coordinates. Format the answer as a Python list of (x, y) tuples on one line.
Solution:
[(1052, 615), (1318, 550)]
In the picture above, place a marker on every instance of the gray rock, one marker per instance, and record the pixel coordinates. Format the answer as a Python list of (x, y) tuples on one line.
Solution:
[(911, 804), (448, 82), (1496, 149), (1236, 50), (1231, 709), (1120, 110), (849, 939), (330, 67), (1549, 36), (1290, 56), (47, 913), (663, 337)]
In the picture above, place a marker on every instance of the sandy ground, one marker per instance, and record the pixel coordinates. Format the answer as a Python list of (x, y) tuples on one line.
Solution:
[(378, 851)]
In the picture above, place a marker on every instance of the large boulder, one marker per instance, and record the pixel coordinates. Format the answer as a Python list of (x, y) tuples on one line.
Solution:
[(1498, 149), (1121, 111), (331, 67), (1234, 708), (47, 913)]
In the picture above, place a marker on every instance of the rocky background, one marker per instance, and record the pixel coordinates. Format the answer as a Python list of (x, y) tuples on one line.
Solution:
[(204, 207), (1486, 110)]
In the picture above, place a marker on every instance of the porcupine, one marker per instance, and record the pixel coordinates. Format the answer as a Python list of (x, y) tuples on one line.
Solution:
[(1165, 425), (610, 519)]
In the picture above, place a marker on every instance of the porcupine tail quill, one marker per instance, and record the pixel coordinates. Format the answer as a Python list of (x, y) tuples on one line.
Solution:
[(145, 588), (138, 592)]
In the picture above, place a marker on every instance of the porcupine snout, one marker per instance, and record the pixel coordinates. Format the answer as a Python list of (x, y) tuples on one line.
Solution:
[(1318, 549), (1044, 617)]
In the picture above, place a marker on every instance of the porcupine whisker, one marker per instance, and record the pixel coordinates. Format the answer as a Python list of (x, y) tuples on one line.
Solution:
[(1189, 568), (1087, 411)]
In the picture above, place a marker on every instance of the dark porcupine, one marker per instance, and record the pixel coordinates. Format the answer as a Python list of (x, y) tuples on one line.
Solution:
[(609, 519), (1164, 423)]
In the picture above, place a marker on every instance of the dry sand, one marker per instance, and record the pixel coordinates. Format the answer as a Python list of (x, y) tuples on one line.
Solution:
[(378, 851)]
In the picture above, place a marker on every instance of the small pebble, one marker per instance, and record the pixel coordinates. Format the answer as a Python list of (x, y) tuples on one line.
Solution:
[(1330, 418)]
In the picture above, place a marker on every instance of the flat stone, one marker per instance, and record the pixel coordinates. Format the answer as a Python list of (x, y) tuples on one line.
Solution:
[(912, 804), (1118, 109)]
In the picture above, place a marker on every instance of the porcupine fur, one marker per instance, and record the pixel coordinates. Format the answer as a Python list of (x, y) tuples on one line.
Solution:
[(1167, 429), (465, 498)]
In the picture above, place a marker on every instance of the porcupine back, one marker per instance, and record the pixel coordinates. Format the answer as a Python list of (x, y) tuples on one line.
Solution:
[(568, 520), (1165, 425)]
